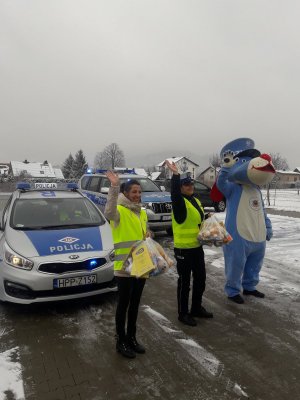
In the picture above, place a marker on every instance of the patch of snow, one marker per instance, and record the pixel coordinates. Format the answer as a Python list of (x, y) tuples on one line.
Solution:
[(11, 375)]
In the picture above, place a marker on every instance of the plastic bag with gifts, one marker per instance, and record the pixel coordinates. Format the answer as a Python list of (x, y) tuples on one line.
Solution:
[(147, 258), (160, 258), (213, 233)]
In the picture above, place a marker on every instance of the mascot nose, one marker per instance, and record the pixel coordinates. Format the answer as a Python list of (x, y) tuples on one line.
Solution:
[(266, 157)]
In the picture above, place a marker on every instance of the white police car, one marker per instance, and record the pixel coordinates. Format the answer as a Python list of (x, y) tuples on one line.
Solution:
[(54, 245)]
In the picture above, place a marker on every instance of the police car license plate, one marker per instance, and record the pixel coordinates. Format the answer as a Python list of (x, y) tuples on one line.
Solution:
[(166, 217), (74, 281)]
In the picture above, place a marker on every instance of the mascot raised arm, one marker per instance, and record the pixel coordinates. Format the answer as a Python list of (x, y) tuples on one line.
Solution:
[(244, 170)]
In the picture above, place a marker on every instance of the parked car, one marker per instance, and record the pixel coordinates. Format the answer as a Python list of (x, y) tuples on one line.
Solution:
[(202, 191), (156, 201), (54, 245)]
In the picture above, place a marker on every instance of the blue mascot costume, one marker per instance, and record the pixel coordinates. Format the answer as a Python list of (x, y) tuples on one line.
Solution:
[(243, 170)]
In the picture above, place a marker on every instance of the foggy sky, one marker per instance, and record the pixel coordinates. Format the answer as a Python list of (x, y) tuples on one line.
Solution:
[(151, 75)]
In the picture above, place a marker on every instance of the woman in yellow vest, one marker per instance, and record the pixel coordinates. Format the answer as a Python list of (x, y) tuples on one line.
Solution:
[(187, 217), (129, 225)]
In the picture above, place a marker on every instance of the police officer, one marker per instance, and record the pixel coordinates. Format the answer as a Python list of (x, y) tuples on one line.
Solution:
[(187, 216)]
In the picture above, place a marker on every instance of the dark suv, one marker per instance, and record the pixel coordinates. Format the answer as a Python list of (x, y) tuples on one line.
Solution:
[(202, 191)]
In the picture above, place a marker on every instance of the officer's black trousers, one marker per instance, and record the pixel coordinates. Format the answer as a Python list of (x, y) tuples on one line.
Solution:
[(190, 260), (130, 292)]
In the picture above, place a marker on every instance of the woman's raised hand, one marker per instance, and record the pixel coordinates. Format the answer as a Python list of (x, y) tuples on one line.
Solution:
[(113, 178), (172, 166)]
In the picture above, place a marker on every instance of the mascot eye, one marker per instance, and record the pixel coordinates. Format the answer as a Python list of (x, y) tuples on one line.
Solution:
[(244, 160)]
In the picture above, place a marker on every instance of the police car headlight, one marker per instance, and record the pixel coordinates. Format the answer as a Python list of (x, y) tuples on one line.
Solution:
[(17, 261), (147, 205), (112, 255)]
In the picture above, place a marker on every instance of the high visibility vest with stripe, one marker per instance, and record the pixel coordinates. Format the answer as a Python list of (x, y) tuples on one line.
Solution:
[(131, 229), (185, 234)]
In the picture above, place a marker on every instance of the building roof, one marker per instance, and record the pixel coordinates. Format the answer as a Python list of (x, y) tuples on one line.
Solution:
[(175, 160), (279, 171), (35, 169), (155, 175), (210, 167)]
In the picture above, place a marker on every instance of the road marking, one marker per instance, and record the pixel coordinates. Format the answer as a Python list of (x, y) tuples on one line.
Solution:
[(205, 358)]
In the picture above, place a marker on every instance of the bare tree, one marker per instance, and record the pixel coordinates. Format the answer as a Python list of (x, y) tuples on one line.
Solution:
[(112, 156), (215, 162), (279, 162)]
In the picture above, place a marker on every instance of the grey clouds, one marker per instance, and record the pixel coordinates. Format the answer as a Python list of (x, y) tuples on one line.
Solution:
[(161, 75)]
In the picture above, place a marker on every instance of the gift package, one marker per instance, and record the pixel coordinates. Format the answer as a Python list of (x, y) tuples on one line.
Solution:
[(147, 258), (213, 233)]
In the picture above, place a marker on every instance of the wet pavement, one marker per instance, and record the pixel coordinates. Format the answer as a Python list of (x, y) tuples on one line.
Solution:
[(66, 350)]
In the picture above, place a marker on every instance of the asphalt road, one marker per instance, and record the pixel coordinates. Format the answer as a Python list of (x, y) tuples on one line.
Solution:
[(67, 350)]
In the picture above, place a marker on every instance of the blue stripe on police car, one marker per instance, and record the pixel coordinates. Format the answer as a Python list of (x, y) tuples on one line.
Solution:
[(60, 241)]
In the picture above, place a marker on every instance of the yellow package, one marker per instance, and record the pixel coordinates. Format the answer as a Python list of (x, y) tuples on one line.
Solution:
[(142, 262)]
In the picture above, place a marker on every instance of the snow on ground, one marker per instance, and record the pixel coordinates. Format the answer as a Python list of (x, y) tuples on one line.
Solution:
[(287, 200), (11, 377), (282, 255)]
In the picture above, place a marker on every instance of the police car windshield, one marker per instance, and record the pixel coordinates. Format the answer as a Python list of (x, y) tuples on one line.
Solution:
[(146, 184), (54, 214)]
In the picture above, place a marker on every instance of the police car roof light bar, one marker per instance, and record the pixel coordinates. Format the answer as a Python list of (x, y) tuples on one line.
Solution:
[(117, 170), (72, 186), (47, 186)]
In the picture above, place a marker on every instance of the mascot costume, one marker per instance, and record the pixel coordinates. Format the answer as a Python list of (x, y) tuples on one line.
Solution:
[(243, 170)]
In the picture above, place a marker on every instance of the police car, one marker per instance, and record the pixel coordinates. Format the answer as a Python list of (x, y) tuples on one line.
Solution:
[(156, 201), (54, 245)]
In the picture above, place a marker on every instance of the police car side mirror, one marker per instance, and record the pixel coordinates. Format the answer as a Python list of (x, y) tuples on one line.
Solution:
[(104, 190), (162, 188)]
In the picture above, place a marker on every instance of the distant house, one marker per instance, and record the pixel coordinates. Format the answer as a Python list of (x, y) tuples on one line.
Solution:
[(4, 169), (297, 169), (208, 176), (35, 169), (287, 179), (183, 164)]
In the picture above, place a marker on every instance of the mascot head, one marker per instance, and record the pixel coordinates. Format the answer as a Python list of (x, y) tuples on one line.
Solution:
[(245, 164)]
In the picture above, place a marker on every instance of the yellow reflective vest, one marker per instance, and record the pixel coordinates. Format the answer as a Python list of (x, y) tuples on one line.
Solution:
[(185, 234), (131, 229)]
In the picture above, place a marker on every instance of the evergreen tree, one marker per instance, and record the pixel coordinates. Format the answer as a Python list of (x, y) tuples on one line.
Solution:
[(67, 167), (79, 165)]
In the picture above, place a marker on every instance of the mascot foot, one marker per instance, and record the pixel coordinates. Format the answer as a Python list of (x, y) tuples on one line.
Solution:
[(237, 299), (254, 293)]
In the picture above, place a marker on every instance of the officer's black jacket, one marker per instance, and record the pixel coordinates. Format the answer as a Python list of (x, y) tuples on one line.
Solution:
[(178, 203)]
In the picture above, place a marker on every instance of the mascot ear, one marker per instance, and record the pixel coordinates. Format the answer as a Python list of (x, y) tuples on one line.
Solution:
[(215, 193)]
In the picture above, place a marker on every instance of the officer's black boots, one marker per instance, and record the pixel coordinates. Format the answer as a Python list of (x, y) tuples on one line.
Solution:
[(123, 348), (135, 345), (201, 313), (187, 319)]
